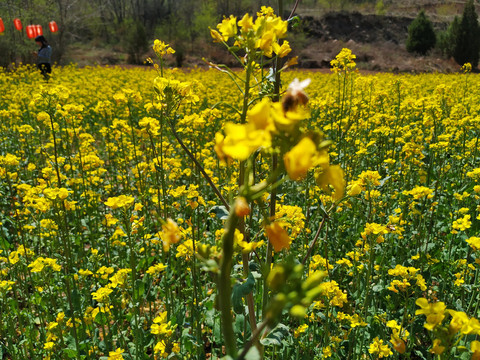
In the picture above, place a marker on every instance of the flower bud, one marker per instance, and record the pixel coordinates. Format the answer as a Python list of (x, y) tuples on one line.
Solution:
[(241, 207)]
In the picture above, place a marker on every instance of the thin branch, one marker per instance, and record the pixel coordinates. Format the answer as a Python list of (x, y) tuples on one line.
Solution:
[(255, 335), (314, 241), (293, 10), (200, 167)]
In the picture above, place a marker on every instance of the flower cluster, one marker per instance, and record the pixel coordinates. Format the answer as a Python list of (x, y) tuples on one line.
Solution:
[(268, 123), (446, 334), (262, 35)]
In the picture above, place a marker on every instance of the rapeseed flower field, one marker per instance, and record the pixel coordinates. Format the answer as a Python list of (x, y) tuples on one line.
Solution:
[(153, 213)]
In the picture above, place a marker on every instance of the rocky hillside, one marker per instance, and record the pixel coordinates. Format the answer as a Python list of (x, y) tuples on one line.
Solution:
[(378, 42)]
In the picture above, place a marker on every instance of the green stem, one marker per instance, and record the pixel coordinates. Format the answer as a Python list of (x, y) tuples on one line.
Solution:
[(66, 244), (474, 293), (273, 195), (225, 285), (136, 302), (366, 303), (164, 186), (269, 257)]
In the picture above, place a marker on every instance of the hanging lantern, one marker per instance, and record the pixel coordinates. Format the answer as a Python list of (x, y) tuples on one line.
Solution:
[(18, 24), (38, 30), (31, 31), (2, 26), (53, 26)]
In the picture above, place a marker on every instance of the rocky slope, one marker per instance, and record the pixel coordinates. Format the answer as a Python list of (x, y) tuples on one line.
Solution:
[(378, 42)]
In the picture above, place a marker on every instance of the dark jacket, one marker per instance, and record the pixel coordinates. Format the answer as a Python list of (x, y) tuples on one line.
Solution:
[(44, 55)]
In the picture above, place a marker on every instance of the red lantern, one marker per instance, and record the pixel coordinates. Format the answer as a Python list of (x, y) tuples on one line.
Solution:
[(31, 31), (2, 26), (53, 26), (38, 30), (18, 24)]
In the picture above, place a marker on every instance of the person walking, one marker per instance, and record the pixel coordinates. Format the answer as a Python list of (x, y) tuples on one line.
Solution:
[(43, 56)]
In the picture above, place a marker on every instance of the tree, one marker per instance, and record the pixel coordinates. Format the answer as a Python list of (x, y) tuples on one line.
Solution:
[(447, 39), (136, 41), (467, 44), (421, 36)]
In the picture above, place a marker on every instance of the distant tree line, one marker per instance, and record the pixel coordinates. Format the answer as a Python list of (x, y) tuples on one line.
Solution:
[(461, 40), (131, 24)]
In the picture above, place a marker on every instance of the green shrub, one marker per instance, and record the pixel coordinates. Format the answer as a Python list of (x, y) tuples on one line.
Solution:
[(136, 41), (421, 36), (447, 39), (380, 8), (467, 44)]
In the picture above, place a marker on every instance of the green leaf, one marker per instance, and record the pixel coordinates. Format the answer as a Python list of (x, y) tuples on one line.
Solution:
[(71, 350), (465, 356), (239, 323), (102, 346), (252, 354), (241, 290), (276, 336), (419, 354), (217, 333), (4, 244), (140, 285), (76, 299), (101, 318), (71, 353), (253, 266)]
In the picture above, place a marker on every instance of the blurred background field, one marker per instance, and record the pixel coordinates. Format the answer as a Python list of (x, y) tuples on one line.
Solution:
[(120, 32)]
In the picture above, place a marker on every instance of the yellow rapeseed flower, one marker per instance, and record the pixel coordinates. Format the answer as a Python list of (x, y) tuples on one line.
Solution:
[(156, 269), (162, 49), (437, 347), (277, 236), (475, 348), (435, 312), (300, 159), (170, 233), (461, 224), (332, 176), (228, 27), (116, 355), (241, 140), (102, 294), (378, 348), (122, 201)]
